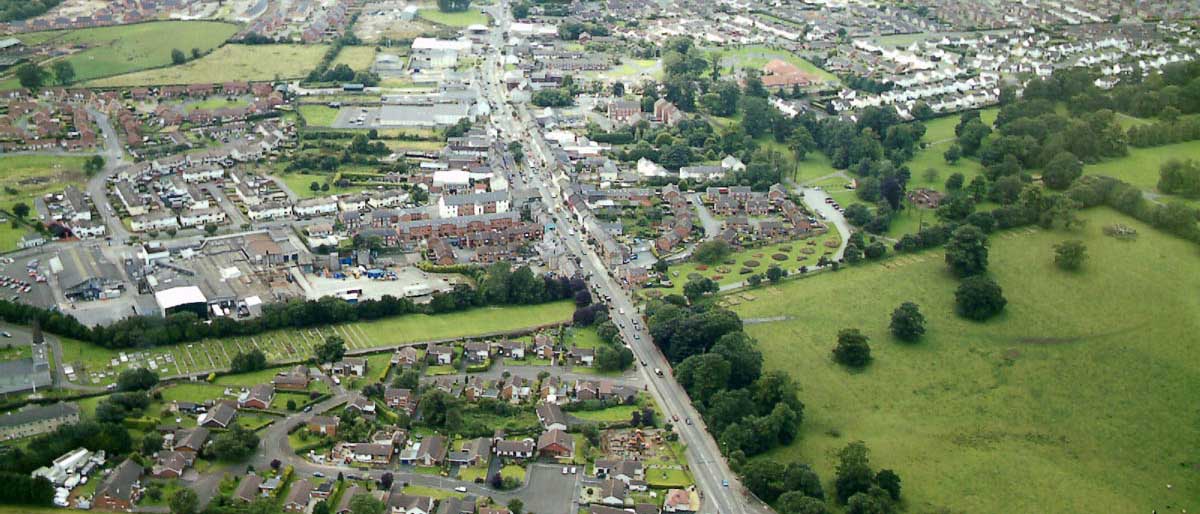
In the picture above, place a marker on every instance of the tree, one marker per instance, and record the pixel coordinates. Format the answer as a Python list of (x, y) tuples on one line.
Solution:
[(953, 154), (178, 57), (713, 252), (955, 182), (64, 72), (745, 360), (979, 298), (321, 507), (889, 481), (516, 506), (614, 358), (1070, 255), (234, 444), (452, 6), (1062, 170), (703, 375), (314, 186), (874, 501), (853, 348), (853, 472), (697, 288), (795, 502), (184, 501), (93, 165), (31, 75), (908, 324), (20, 209), (775, 274), (151, 443), (137, 379), (364, 503), (195, 53), (332, 350), (385, 481), (244, 362), (967, 251)]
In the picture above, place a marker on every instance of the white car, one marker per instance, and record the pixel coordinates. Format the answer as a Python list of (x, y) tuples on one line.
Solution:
[(460, 489)]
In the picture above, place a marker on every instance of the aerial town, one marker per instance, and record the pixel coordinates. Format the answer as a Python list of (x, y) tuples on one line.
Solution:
[(599, 256)]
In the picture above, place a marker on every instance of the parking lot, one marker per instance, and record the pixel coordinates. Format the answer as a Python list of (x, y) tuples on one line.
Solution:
[(408, 280), (357, 117)]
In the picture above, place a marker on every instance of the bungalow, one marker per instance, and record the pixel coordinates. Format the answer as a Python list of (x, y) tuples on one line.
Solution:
[(551, 416), (298, 496), (613, 492), (295, 379), (432, 451), (362, 404), (440, 355), (623, 470), (476, 353), (190, 441), (522, 449), (221, 416), (372, 453), (582, 356), (473, 452), (556, 443), (121, 489), (258, 397), (399, 503), (513, 349), (681, 500), (350, 366), (247, 489), (324, 425), (170, 464)]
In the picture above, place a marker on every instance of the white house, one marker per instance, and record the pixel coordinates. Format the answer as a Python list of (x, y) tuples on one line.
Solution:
[(356, 202), (203, 174), (650, 169), (160, 220), (201, 217), (268, 211), (450, 206), (316, 206)]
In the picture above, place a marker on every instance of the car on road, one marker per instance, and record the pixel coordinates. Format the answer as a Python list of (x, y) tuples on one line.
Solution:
[(643, 363), (676, 418), (460, 489), (724, 483), (658, 371), (688, 421), (5, 334), (318, 474), (572, 470)]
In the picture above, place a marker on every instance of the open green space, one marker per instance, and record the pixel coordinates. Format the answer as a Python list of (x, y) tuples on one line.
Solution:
[(586, 337), (454, 19), (1142, 165), (228, 63), (301, 184), (1070, 401), (96, 365), (801, 252), (757, 56), (358, 58), (318, 115), (217, 102), (26, 177), (106, 51), (608, 415)]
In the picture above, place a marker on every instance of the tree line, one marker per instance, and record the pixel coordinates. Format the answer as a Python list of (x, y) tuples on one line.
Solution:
[(500, 285), (747, 411)]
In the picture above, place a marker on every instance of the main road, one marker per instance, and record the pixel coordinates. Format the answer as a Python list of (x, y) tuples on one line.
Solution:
[(720, 490)]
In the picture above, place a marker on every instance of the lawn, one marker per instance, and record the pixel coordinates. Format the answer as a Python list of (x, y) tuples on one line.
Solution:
[(608, 415), (228, 63), (582, 338), (1068, 402), (318, 115), (757, 56), (454, 19), (301, 184), (217, 102), (26, 177), (666, 478), (483, 320), (128, 48), (358, 58), (1142, 165)]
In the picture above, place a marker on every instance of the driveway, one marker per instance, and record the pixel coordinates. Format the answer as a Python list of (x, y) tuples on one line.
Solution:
[(815, 200)]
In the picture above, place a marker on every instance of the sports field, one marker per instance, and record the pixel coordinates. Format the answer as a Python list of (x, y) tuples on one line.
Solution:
[(95, 365), (1074, 400), (454, 19), (121, 49), (229, 63)]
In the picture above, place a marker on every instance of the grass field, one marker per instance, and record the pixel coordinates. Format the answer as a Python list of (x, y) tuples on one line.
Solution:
[(608, 415), (32, 176), (454, 19), (227, 63), (359, 58), (127, 48), (99, 366), (1141, 166), (757, 56), (301, 184), (1068, 402), (318, 115)]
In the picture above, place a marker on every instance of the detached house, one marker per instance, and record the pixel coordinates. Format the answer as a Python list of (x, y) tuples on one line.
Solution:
[(556, 443)]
